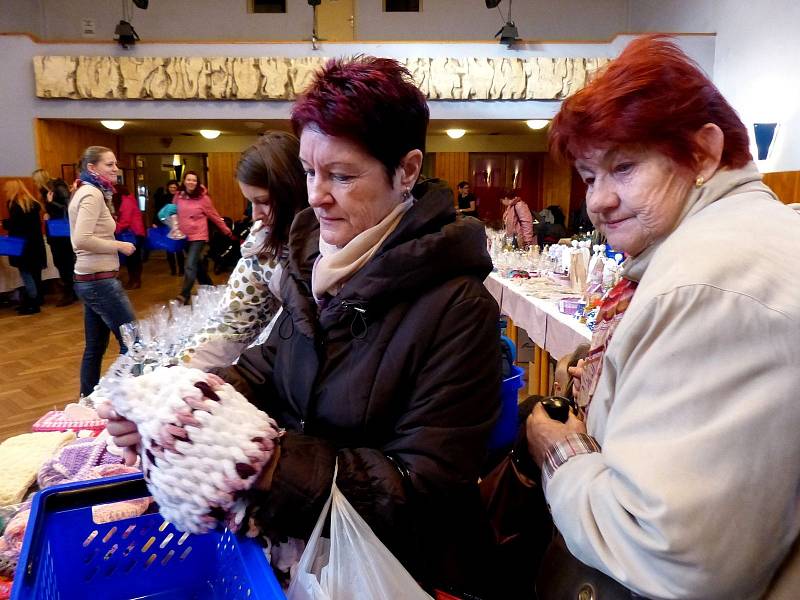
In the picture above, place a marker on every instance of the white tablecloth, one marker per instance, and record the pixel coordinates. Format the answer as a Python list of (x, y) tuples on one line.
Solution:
[(9, 276), (547, 327)]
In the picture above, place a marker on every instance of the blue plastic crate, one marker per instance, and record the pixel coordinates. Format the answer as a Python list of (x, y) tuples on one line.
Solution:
[(11, 246), (125, 236), (58, 227), (505, 430), (66, 556), (157, 240)]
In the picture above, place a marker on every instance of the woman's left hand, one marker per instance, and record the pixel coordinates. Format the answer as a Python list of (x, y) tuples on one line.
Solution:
[(542, 431)]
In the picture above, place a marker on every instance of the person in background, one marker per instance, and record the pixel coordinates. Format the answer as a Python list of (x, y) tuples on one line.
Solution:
[(195, 209), (129, 218), (372, 364), (272, 179), (25, 221), (105, 305), (164, 196), (54, 194), (551, 227), (684, 479), (467, 202), (517, 220)]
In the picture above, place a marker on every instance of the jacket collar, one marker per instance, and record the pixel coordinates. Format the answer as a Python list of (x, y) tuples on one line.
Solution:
[(724, 183), (430, 245)]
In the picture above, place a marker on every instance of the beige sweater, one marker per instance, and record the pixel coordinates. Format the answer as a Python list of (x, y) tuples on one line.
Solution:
[(91, 228), (696, 493)]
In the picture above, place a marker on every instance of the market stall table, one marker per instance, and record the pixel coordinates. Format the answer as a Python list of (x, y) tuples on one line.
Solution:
[(552, 332)]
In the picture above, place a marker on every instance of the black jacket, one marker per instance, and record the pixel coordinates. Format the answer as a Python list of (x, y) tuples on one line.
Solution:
[(397, 378), (27, 225)]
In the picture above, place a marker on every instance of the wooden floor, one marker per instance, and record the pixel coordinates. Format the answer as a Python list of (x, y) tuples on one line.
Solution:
[(40, 354)]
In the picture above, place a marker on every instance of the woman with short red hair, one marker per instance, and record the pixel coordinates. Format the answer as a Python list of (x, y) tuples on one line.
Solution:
[(684, 479)]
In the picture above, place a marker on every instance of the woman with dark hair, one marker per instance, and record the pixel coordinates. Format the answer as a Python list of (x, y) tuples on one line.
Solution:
[(54, 194), (272, 180), (684, 480), (372, 366), (195, 209), (161, 198), (25, 221), (129, 218), (105, 304)]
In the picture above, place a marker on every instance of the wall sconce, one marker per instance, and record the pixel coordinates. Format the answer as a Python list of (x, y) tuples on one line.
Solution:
[(765, 136)]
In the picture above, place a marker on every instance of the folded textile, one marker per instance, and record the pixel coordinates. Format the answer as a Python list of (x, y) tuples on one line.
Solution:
[(22, 456), (77, 461), (74, 417)]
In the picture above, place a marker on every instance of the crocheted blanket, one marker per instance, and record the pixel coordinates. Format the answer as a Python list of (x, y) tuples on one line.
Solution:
[(21, 457), (203, 444)]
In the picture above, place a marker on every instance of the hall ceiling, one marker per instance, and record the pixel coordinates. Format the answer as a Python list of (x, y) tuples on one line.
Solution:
[(186, 127)]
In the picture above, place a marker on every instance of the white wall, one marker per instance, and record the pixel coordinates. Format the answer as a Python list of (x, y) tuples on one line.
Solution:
[(470, 20), (756, 60), (229, 20)]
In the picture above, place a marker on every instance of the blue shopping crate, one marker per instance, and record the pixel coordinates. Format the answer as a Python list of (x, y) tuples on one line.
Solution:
[(58, 227), (11, 246), (157, 240), (505, 430), (125, 236), (67, 556)]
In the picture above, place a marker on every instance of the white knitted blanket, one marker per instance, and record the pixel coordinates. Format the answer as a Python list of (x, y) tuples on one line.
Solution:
[(203, 444)]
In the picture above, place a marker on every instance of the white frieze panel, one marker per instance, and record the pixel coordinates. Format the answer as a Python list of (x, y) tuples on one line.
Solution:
[(267, 78)]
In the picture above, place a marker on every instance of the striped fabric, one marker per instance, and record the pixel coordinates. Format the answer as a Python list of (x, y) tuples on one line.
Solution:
[(560, 452)]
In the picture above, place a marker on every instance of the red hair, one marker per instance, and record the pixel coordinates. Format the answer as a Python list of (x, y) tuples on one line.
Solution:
[(373, 102), (652, 95)]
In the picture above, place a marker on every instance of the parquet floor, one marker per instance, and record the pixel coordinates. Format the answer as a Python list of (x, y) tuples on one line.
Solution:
[(40, 354)]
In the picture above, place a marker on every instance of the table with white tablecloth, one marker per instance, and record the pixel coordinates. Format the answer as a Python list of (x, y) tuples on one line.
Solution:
[(552, 332), (10, 278)]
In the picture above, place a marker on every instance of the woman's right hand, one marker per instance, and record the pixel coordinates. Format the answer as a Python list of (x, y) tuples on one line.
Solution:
[(49, 196), (123, 432), (126, 248)]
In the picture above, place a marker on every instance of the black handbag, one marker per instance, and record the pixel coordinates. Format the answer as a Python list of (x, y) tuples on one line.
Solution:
[(564, 577)]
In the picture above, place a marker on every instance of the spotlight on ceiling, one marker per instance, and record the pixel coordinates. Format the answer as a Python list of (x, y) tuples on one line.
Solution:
[(492, 3), (210, 134), (125, 34), (508, 33), (537, 123), (113, 124), (455, 133), (141, 3)]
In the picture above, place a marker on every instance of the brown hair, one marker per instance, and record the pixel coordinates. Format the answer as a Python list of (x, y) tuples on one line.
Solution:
[(272, 163)]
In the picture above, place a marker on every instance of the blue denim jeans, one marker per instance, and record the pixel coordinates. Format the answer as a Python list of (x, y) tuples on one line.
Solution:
[(105, 308), (32, 285), (194, 268)]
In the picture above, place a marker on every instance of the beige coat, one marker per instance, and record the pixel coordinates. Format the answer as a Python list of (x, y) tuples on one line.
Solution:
[(696, 493)]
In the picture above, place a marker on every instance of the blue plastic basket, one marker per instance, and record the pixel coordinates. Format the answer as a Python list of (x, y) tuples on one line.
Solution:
[(125, 236), (58, 227), (505, 430), (66, 556), (157, 240), (11, 246)]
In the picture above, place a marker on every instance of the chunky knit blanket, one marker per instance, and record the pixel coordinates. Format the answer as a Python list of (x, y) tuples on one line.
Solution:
[(203, 444)]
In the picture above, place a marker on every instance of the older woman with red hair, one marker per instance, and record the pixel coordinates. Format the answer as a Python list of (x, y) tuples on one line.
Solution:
[(684, 479)]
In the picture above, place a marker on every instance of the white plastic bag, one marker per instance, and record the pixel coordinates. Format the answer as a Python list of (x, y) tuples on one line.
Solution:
[(353, 565)]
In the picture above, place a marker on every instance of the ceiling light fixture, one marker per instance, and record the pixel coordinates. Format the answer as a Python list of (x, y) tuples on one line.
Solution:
[(455, 133), (508, 33), (113, 124), (537, 123), (210, 134)]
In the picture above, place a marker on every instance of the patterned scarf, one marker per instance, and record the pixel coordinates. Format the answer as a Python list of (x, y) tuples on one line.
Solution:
[(102, 183)]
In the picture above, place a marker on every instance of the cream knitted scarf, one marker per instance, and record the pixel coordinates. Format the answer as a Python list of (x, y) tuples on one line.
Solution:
[(337, 265)]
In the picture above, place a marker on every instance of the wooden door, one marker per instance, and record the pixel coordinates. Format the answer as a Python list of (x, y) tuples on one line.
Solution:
[(336, 20)]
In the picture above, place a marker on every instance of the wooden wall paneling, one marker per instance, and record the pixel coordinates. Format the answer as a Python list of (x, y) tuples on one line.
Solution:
[(222, 186), (557, 185), (453, 167), (786, 185), (59, 142)]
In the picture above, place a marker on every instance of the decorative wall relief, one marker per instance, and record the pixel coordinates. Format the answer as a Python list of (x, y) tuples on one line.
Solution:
[(271, 78)]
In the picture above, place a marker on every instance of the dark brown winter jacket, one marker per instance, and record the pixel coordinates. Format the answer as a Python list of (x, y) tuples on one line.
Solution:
[(398, 378)]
